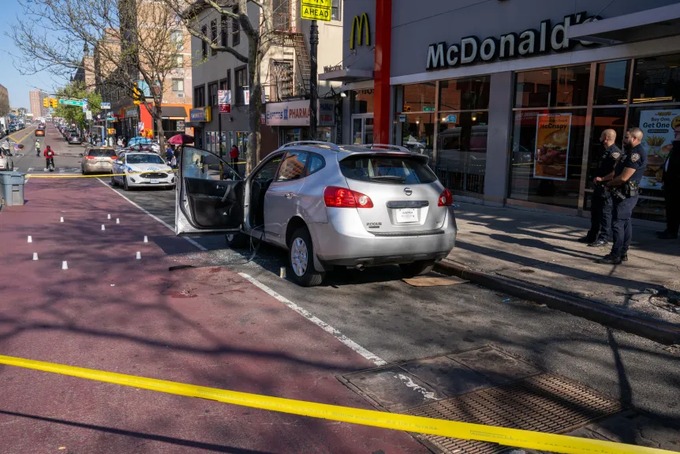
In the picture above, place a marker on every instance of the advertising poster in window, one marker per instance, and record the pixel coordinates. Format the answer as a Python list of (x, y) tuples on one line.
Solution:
[(658, 127), (552, 146)]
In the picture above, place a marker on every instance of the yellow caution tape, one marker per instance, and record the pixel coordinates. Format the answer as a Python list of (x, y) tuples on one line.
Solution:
[(78, 175), (468, 431)]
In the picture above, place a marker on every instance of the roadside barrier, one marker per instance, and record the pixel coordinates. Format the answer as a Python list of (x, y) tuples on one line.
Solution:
[(468, 431)]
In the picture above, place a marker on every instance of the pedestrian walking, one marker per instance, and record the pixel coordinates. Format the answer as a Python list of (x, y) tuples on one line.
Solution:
[(671, 187), (37, 148), (624, 184), (233, 154), (49, 158), (600, 232)]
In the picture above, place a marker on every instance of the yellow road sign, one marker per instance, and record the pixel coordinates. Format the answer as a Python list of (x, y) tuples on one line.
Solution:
[(317, 3), (315, 13)]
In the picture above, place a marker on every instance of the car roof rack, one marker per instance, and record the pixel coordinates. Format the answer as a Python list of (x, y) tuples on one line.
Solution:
[(382, 146), (318, 143)]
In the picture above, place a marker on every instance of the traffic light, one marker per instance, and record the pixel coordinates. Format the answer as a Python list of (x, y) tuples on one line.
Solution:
[(136, 95), (54, 102), (46, 102)]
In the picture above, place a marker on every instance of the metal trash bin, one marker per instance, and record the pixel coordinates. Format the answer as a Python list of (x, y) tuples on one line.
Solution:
[(12, 187)]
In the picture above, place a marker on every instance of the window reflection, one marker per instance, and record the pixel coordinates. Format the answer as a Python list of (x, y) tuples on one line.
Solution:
[(553, 87)]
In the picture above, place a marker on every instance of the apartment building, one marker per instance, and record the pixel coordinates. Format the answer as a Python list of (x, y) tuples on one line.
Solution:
[(285, 76)]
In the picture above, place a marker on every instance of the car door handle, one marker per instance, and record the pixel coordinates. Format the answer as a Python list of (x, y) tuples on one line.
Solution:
[(288, 195)]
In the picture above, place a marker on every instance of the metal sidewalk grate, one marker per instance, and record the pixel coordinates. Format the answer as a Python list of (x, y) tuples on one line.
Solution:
[(544, 403)]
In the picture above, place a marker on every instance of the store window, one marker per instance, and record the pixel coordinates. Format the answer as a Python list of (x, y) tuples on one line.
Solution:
[(612, 83), (553, 87), (656, 79), (549, 135)]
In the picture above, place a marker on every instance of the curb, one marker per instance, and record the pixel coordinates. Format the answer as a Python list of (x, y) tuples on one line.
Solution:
[(655, 330)]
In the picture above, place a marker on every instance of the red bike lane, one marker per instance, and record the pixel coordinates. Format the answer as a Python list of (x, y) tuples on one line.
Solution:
[(111, 311)]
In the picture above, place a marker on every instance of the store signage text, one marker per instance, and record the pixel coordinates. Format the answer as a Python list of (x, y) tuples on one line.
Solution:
[(530, 42), (360, 25)]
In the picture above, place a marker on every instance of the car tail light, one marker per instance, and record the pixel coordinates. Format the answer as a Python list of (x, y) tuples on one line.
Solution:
[(445, 199), (89, 157), (337, 197)]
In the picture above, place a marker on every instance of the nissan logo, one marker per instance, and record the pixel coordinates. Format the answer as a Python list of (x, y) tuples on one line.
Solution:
[(408, 191)]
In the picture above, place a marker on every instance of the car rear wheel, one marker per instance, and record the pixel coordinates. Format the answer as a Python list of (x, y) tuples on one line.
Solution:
[(301, 259), (113, 182), (416, 268)]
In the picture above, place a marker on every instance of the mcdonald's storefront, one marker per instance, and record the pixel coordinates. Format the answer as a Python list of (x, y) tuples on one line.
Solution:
[(481, 89)]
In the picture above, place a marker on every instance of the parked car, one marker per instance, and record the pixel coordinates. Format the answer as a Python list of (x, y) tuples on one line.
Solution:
[(75, 139), (327, 205), (141, 169), (6, 162), (97, 160)]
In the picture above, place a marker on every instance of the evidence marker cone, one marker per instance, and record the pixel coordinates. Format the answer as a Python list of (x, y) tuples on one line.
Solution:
[(108, 216), (117, 221), (61, 219), (103, 227), (146, 239), (30, 239), (35, 256), (64, 265), (138, 256)]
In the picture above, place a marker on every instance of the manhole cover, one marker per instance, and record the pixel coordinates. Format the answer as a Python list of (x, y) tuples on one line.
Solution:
[(544, 403)]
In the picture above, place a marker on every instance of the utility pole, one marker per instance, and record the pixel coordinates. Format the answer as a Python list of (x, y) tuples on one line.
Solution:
[(313, 44)]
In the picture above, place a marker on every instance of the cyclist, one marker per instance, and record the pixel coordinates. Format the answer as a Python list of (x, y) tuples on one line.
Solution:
[(49, 158)]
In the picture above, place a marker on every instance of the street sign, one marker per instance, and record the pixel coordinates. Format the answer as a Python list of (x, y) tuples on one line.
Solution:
[(72, 102), (105, 105), (224, 100), (316, 10)]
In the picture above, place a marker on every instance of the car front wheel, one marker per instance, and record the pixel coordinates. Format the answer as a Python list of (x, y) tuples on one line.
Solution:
[(301, 259), (125, 184)]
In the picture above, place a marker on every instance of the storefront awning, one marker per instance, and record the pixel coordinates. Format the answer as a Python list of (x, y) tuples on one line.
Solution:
[(174, 112), (347, 75), (644, 25)]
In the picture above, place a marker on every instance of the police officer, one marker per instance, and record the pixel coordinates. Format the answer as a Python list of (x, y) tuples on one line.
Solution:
[(601, 210), (624, 185), (671, 187)]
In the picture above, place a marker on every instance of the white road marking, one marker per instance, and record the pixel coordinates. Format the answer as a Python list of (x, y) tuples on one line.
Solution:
[(375, 359)]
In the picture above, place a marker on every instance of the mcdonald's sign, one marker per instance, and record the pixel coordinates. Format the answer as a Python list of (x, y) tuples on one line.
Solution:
[(360, 24)]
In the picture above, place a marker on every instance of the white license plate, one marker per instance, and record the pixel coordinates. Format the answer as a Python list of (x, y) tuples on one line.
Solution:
[(407, 215), (155, 181)]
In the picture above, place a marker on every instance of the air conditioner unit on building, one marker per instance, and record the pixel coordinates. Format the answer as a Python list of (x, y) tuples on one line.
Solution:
[(180, 95)]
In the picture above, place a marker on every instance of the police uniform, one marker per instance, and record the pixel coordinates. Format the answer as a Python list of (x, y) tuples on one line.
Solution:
[(601, 210), (624, 202)]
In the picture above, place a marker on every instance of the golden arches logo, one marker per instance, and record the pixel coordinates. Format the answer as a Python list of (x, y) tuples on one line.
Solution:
[(360, 24)]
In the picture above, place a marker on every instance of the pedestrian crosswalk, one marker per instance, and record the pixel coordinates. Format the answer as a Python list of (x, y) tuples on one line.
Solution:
[(57, 170)]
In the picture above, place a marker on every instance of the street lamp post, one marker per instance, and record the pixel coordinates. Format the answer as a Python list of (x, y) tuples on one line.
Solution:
[(313, 44)]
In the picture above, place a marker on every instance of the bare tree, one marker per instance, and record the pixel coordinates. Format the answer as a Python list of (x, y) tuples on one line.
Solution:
[(254, 19), (132, 41)]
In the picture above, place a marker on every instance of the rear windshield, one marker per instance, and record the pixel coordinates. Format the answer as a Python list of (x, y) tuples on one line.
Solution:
[(144, 159), (102, 153), (387, 169)]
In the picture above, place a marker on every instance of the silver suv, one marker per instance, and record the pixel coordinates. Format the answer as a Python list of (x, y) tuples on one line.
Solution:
[(328, 205)]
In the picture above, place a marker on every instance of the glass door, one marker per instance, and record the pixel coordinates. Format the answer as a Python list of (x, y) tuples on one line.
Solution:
[(362, 128)]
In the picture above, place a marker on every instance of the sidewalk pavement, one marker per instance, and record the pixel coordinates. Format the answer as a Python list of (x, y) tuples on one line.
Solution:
[(535, 255)]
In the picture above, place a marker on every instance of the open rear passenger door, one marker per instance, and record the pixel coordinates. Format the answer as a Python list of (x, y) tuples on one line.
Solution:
[(209, 194)]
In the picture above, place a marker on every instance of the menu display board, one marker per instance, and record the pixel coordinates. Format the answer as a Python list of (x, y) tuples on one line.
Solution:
[(552, 146), (658, 127)]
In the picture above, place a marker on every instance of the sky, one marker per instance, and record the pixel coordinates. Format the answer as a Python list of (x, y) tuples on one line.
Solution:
[(19, 85)]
